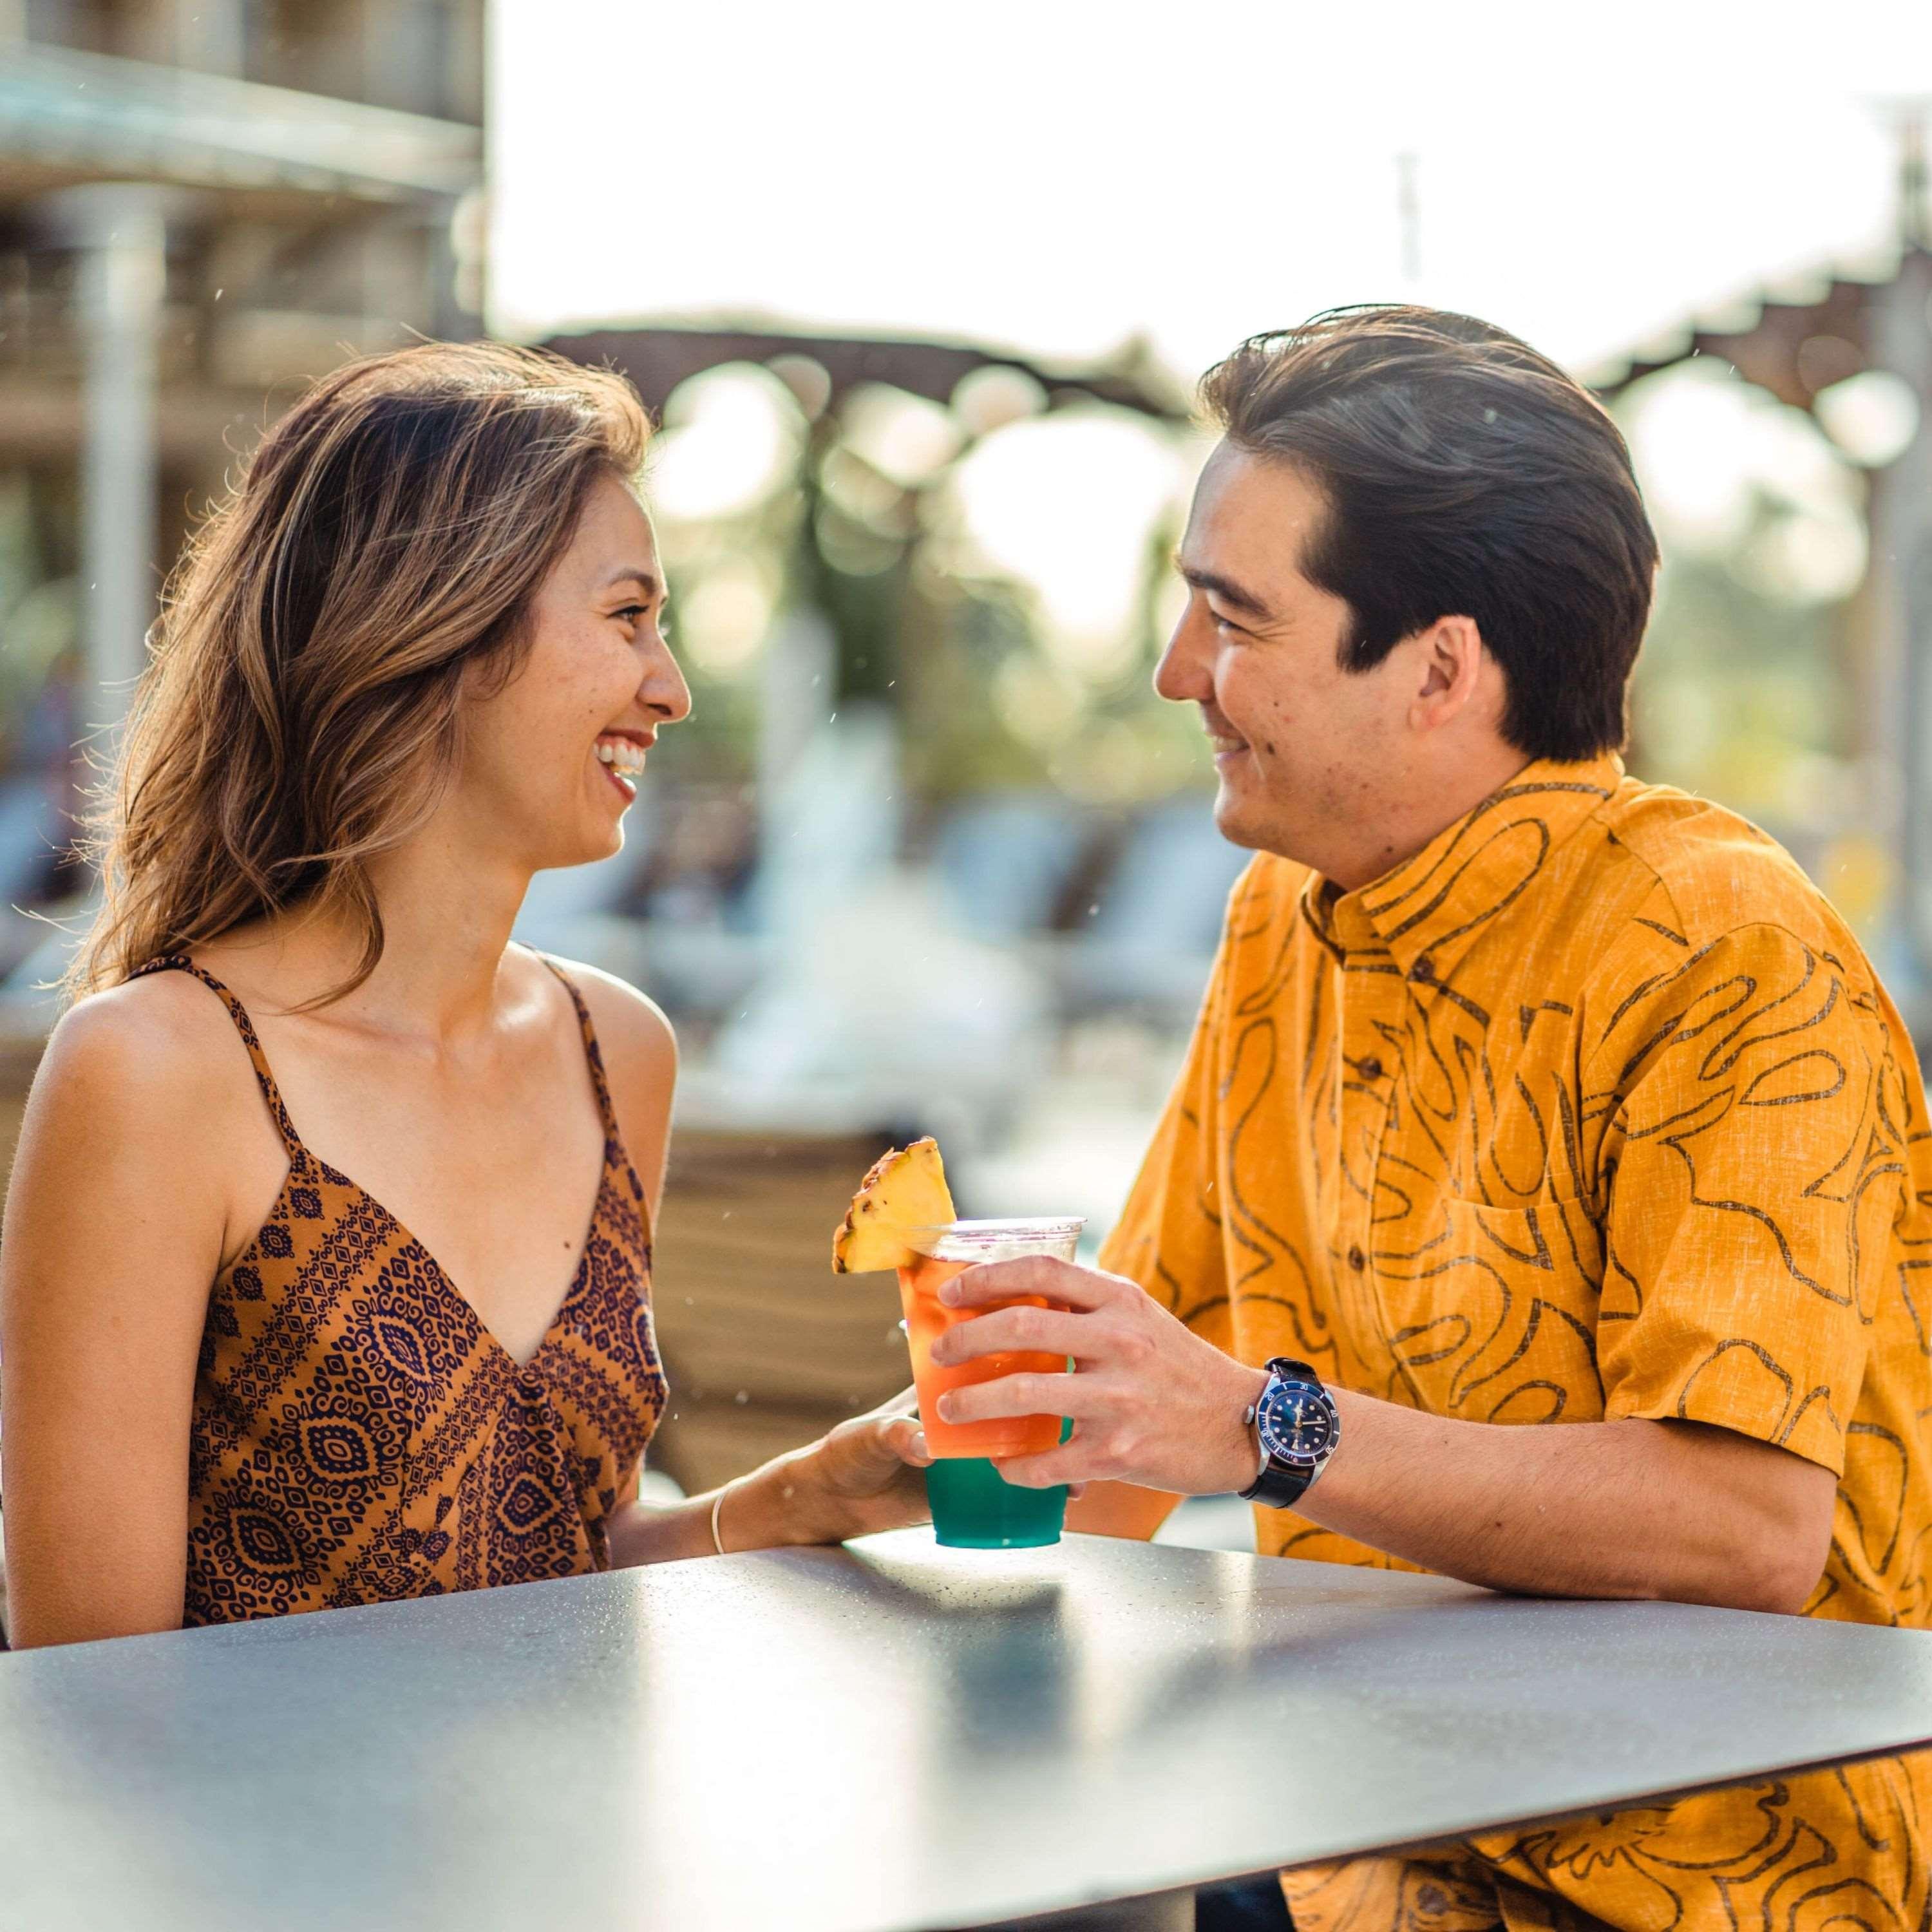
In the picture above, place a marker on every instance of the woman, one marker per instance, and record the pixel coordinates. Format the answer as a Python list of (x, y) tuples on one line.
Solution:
[(326, 1270)]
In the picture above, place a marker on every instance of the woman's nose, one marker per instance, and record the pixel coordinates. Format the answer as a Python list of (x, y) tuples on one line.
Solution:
[(664, 688)]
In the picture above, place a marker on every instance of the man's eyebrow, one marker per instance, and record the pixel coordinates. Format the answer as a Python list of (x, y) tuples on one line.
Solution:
[(1225, 588), (633, 573)]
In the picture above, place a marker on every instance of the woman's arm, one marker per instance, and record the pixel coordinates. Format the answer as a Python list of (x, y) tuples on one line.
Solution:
[(862, 1476), (865, 1475), (114, 1232)]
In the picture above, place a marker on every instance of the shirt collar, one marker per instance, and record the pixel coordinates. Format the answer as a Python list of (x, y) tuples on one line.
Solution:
[(1424, 912)]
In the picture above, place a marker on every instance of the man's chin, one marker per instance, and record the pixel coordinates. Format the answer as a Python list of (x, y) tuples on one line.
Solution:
[(1239, 820), (1235, 824)]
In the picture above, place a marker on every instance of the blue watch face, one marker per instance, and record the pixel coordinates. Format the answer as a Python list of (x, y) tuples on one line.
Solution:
[(1296, 1424)]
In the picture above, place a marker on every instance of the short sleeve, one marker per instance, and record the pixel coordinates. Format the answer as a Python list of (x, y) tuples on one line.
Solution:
[(1753, 1182), (1168, 1237)]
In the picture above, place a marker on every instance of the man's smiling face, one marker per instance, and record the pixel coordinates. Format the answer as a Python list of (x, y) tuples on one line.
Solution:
[(1310, 756)]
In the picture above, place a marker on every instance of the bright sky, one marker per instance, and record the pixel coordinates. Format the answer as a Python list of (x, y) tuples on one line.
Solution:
[(1047, 175)]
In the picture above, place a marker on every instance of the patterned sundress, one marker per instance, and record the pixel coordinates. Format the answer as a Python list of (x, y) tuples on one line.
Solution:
[(359, 1435)]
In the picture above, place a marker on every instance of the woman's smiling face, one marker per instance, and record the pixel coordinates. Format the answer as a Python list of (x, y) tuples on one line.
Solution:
[(549, 762)]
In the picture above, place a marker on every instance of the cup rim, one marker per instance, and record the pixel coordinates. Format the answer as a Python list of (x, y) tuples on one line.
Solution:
[(1045, 1230)]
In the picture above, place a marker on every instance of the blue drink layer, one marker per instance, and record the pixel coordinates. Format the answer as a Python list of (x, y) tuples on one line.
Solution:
[(975, 1507)]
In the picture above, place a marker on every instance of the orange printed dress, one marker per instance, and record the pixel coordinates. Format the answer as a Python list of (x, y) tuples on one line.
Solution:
[(359, 1435), (1592, 1109)]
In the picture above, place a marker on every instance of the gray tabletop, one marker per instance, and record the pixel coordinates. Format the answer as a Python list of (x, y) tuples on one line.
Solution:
[(886, 1737)]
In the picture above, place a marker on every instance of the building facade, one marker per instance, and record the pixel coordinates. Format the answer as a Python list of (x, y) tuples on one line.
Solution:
[(204, 204)]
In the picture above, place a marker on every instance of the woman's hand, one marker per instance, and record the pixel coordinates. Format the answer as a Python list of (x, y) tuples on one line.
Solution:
[(865, 1474)]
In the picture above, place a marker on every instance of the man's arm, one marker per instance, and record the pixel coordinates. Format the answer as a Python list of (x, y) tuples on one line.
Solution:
[(1672, 1510), (1628, 1508), (1752, 1182)]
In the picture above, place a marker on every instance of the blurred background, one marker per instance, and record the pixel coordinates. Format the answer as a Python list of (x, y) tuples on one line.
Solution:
[(919, 297)]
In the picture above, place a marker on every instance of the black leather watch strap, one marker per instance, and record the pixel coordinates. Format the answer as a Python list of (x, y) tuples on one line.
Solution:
[(1278, 1486)]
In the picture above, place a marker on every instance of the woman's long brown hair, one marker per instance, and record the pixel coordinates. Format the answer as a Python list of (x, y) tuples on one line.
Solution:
[(301, 710)]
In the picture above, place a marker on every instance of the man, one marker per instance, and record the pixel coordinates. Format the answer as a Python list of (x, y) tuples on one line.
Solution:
[(1522, 1093)]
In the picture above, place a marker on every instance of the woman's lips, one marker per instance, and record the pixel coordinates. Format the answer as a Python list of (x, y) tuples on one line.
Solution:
[(621, 755)]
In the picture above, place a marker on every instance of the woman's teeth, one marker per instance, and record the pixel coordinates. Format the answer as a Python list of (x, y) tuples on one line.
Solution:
[(621, 755)]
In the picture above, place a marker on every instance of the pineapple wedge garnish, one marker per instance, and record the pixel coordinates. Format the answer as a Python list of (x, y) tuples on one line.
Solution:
[(904, 1189)]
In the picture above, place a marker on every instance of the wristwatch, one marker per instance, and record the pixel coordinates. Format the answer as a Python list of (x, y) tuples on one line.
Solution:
[(1297, 1426)]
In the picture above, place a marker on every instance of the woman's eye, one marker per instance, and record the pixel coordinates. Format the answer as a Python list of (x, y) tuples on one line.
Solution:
[(631, 613)]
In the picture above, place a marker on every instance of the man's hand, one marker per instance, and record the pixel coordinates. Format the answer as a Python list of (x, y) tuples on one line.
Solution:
[(1151, 1403), (1628, 1507)]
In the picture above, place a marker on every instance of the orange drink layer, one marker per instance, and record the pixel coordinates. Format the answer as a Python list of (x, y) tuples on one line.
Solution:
[(927, 1317)]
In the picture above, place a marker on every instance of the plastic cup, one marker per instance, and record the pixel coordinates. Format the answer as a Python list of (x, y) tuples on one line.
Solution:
[(975, 1507), (945, 1252)]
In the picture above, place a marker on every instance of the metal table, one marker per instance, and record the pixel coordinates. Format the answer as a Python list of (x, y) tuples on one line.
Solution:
[(868, 1740)]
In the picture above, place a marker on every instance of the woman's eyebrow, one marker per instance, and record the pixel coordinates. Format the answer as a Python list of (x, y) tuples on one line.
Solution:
[(632, 573)]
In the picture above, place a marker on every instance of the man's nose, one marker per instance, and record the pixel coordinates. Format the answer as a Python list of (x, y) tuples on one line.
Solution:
[(1183, 676)]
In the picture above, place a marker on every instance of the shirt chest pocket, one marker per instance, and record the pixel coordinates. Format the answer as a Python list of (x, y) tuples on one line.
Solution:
[(1491, 1312)]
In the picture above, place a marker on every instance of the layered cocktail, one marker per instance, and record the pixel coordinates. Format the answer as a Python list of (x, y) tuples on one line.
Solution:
[(942, 1252), (902, 1218)]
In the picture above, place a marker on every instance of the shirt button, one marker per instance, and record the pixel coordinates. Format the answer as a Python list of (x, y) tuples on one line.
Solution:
[(1424, 970), (1372, 1068), (1357, 1260)]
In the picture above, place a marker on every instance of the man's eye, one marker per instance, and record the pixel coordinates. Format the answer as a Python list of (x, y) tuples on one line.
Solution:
[(631, 613)]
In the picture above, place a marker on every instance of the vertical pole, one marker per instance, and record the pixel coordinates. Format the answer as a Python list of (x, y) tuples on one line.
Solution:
[(1901, 580), (122, 237), (1409, 215)]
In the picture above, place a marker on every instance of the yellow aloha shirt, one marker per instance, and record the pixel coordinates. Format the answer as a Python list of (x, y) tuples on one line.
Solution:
[(1593, 1109)]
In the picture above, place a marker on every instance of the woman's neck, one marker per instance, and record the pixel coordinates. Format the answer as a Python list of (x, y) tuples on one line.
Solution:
[(446, 919)]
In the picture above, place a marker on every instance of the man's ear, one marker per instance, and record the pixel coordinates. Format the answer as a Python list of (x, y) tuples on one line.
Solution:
[(1451, 667)]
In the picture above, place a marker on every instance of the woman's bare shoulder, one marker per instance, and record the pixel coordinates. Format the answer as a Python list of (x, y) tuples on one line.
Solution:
[(631, 1025), (161, 1046), (639, 1051), (134, 1121)]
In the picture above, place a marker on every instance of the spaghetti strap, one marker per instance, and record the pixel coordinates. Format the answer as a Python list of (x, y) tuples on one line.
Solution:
[(179, 962), (612, 1133)]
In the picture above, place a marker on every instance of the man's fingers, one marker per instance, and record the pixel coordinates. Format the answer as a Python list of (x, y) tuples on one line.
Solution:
[(1073, 1287), (1042, 1472), (1018, 1395), (1043, 1331)]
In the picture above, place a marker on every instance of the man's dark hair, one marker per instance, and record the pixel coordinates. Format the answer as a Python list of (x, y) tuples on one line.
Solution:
[(1465, 476)]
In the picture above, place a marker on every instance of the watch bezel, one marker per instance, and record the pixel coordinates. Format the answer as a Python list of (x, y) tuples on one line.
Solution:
[(1278, 1393)]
